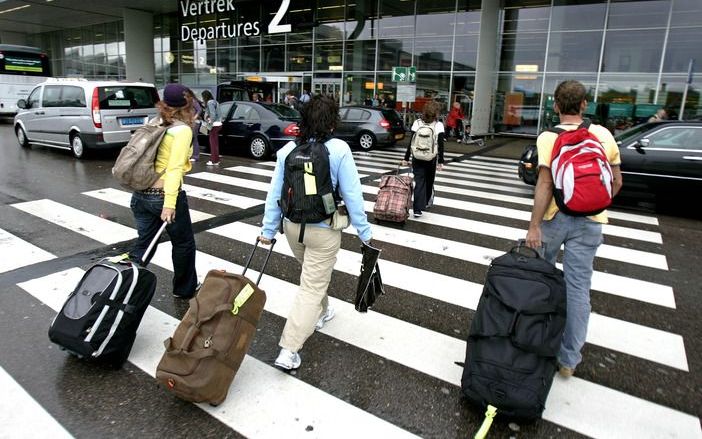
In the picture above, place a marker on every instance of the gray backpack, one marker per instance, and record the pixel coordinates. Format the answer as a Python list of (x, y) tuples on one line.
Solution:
[(134, 167), (424, 143)]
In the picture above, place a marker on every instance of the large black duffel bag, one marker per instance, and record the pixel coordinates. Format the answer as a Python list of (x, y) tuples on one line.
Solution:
[(515, 335)]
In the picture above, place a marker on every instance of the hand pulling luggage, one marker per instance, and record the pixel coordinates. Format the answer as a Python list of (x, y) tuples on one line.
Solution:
[(211, 341), (516, 335), (100, 318), (394, 198)]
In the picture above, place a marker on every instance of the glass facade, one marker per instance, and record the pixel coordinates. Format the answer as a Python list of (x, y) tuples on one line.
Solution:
[(632, 55)]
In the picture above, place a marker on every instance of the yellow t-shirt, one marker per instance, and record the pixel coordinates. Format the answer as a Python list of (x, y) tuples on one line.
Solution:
[(173, 157), (544, 144)]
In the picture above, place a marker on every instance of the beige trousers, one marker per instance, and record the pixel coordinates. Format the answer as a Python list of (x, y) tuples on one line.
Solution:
[(317, 255)]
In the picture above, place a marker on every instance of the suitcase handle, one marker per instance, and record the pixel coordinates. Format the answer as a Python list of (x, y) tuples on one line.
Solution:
[(265, 263), (146, 257)]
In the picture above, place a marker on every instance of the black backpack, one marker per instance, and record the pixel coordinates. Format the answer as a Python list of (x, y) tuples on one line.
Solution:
[(307, 195), (516, 335)]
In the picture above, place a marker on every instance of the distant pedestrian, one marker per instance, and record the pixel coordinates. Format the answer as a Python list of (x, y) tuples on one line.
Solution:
[(198, 112), (320, 243), (428, 135), (213, 117), (454, 121), (165, 201), (305, 98), (660, 115), (256, 97), (376, 101), (580, 235), (368, 101)]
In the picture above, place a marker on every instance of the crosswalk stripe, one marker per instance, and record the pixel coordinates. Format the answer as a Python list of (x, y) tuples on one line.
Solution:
[(495, 159), (524, 215), (94, 227), (263, 172), (19, 253), (636, 340), (361, 330), (632, 256), (501, 166), (124, 198), (220, 197), (21, 416), (259, 391), (466, 167)]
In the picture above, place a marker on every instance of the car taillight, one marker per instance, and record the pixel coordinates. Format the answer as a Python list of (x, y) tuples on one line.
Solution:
[(97, 120), (292, 130), (384, 123)]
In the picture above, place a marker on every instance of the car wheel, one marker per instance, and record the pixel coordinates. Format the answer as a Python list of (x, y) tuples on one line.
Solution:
[(258, 147), (366, 140), (21, 137), (77, 147)]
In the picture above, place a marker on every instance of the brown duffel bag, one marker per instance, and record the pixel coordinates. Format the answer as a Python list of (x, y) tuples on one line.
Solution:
[(211, 341)]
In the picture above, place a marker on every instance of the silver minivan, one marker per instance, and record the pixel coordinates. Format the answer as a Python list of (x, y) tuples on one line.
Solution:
[(77, 115)]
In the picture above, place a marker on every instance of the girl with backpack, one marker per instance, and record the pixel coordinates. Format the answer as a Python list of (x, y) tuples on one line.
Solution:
[(213, 117), (164, 200), (426, 148)]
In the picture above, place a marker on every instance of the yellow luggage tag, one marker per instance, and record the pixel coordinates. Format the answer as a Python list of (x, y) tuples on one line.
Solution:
[(119, 258), (310, 180), (241, 298), (487, 423)]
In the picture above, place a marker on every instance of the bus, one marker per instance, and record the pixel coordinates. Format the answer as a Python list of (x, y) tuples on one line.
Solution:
[(21, 68)]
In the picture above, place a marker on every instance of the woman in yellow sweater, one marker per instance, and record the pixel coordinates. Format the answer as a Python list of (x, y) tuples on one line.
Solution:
[(165, 201)]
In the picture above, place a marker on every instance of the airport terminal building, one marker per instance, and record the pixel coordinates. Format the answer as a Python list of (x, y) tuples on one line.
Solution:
[(500, 58)]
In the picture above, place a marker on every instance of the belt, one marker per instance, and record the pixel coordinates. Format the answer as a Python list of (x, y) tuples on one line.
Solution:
[(153, 191)]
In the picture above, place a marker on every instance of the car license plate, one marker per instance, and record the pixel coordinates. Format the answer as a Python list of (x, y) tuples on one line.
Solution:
[(399, 136), (132, 121)]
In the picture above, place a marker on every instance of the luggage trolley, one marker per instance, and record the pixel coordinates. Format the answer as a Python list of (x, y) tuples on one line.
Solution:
[(466, 138)]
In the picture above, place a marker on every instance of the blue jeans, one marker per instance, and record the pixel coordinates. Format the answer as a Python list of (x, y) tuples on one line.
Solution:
[(581, 237), (196, 143), (147, 214)]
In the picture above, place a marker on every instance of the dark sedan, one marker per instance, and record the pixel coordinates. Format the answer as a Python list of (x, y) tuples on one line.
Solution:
[(661, 161), (368, 127), (262, 128)]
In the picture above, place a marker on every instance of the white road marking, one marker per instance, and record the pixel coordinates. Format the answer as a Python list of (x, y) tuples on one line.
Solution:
[(19, 253), (22, 417), (220, 197), (123, 198), (86, 224)]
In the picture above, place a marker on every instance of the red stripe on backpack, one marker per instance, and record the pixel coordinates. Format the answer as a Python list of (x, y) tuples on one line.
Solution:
[(582, 177)]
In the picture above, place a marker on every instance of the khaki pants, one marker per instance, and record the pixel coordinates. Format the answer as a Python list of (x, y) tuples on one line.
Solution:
[(317, 255)]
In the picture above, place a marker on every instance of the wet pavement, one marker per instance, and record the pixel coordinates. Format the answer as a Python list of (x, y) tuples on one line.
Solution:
[(390, 372)]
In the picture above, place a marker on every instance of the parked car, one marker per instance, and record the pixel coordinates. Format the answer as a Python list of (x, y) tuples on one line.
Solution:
[(660, 161), (262, 128), (369, 127), (78, 115)]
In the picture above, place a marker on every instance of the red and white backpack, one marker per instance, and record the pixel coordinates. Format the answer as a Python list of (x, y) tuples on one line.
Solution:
[(582, 177)]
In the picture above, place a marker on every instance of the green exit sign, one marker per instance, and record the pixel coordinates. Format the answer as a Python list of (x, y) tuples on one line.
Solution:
[(404, 74)]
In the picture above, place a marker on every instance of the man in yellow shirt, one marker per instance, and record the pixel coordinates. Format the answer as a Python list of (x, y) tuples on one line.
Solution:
[(580, 235)]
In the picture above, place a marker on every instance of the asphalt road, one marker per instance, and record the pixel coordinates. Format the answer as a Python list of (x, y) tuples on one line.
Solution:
[(388, 373)]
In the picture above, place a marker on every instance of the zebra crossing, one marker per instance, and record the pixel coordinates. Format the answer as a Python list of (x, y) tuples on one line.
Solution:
[(480, 208)]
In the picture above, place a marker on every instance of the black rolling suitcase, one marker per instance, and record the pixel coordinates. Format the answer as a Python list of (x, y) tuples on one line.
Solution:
[(515, 335), (100, 318)]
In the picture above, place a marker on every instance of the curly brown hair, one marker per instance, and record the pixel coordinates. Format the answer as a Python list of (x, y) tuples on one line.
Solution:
[(319, 117), (569, 96), (431, 112), (170, 114)]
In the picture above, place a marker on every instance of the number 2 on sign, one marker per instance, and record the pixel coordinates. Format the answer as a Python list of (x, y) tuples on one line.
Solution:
[(275, 27)]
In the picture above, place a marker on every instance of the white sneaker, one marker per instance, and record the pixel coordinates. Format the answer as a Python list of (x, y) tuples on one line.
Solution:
[(325, 318), (211, 163), (288, 360)]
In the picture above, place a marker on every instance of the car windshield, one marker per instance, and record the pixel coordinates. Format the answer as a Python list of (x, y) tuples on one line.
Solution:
[(127, 96), (630, 133), (284, 111)]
